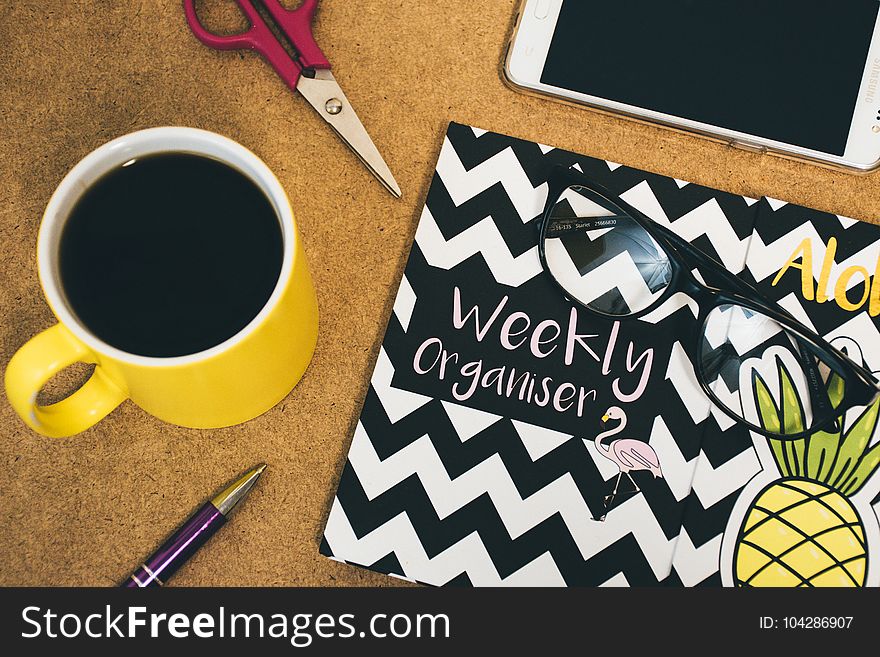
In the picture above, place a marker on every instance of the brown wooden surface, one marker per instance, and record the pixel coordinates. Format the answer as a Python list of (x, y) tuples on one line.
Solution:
[(73, 75)]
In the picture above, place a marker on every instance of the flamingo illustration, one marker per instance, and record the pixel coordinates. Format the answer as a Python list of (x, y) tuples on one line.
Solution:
[(626, 453)]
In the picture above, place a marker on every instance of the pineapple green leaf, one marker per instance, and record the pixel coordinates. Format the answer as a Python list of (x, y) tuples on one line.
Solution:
[(863, 471), (842, 460), (854, 444), (792, 420), (821, 456), (766, 406), (770, 420)]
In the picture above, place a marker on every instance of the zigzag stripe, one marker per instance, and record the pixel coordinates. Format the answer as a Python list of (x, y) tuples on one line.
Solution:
[(481, 516), (697, 474), (504, 168), (493, 201), (744, 331), (618, 273), (708, 219), (694, 564), (719, 447), (846, 222), (501, 441), (426, 422), (773, 225), (404, 303), (619, 580), (680, 372), (712, 485), (561, 497), (671, 306), (538, 441), (468, 554), (863, 330), (706, 524), (792, 303), (677, 202), (398, 403), (535, 161), (482, 238)]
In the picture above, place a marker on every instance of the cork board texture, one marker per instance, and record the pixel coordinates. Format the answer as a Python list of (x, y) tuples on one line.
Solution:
[(85, 510)]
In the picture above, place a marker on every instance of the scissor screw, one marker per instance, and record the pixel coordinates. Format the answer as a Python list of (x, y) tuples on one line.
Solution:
[(333, 106)]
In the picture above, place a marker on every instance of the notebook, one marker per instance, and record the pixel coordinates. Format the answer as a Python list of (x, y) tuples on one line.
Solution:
[(475, 460)]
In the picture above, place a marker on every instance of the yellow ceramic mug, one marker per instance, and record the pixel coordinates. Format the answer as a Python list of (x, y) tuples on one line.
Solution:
[(229, 383)]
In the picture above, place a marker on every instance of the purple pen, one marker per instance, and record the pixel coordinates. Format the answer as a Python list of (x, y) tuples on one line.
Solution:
[(193, 534)]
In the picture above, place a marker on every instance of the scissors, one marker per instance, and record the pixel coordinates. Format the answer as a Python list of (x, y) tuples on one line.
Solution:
[(306, 71)]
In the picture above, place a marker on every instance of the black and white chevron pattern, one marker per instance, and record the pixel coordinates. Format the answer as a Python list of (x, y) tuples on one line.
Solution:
[(483, 493)]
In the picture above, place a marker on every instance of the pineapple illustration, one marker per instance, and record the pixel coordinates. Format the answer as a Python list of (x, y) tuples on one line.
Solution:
[(803, 529)]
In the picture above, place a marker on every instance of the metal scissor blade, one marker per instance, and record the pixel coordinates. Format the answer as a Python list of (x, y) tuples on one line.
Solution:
[(326, 96)]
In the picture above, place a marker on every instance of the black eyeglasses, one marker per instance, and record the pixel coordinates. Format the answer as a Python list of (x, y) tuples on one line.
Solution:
[(616, 262)]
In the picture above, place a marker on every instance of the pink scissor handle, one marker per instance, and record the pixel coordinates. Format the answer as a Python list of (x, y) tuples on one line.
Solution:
[(260, 38), (297, 25)]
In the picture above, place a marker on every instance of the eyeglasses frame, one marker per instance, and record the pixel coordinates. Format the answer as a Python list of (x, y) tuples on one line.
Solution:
[(861, 388)]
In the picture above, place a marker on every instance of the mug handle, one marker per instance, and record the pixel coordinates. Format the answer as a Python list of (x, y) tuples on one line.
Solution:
[(41, 358)]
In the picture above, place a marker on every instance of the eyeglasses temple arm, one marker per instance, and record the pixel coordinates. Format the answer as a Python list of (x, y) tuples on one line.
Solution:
[(700, 258), (562, 225), (819, 397)]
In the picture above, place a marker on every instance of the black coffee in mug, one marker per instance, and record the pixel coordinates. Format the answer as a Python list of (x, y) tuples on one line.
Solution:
[(170, 254)]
